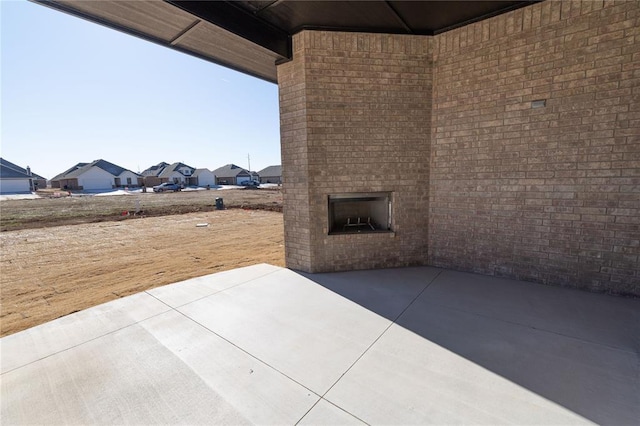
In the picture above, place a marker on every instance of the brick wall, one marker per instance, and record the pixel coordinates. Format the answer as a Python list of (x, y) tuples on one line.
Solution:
[(481, 181), (548, 194), (295, 170), (355, 117)]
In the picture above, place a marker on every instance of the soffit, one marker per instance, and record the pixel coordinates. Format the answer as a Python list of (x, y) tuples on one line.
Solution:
[(253, 36), (169, 26)]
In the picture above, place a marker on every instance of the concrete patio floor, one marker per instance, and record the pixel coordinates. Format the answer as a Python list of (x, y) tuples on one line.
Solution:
[(266, 345)]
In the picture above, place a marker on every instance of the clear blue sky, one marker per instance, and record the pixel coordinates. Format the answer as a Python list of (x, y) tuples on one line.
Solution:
[(74, 91)]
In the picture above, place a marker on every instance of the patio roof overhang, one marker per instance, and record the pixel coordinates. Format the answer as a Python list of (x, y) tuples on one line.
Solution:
[(254, 36)]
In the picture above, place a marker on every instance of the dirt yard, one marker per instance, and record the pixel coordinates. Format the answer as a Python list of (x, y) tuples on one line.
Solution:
[(81, 208), (49, 272)]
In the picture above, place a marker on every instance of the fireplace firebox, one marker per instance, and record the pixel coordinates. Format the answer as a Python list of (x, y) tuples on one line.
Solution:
[(360, 213)]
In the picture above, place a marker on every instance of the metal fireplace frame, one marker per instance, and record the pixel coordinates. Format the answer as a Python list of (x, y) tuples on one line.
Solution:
[(377, 218)]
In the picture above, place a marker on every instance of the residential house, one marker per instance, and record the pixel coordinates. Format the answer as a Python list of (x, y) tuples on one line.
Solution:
[(271, 174), (150, 175), (231, 175), (204, 178), (177, 173), (95, 176), (165, 172), (15, 179), (65, 180)]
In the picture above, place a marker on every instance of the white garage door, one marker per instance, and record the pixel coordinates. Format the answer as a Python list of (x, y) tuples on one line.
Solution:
[(95, 184), (241, 179), (8, 186)]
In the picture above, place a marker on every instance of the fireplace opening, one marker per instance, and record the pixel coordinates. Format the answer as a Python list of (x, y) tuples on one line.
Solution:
[(359, 213)]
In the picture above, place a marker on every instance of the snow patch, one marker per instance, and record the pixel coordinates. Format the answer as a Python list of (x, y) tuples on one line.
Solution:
[(117, 192), (32, 196)]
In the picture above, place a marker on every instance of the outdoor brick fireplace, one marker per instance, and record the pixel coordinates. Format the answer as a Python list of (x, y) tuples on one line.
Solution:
[(359, 213), (355, 129)]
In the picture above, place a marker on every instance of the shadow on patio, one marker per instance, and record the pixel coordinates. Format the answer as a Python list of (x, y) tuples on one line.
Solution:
[(574, 348)]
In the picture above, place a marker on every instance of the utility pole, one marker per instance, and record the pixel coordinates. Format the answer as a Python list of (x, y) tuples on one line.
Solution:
[(249, 160)]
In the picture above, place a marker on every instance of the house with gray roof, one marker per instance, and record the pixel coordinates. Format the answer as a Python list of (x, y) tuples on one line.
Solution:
[(271, 174), (15, 179), (96, 176), (177, 173), (150, 175), (155, 170), (165, 172), (232, 175)]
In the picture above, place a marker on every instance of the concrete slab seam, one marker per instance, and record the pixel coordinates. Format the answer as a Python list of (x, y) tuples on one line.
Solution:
[(337, 406), (88, 341), (417, 297), (136, 322), (223, 290), (248, 353), (374, 342)]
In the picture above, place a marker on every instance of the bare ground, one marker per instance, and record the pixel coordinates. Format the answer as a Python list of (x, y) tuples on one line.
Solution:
[(71, 210), (49, 272)]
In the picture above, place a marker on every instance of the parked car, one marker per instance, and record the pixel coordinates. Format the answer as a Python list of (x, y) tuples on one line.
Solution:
[(250, 183), (167, 186)]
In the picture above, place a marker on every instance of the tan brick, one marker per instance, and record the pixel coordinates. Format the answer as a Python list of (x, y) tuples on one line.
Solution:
[(577, 57), (539, 194)]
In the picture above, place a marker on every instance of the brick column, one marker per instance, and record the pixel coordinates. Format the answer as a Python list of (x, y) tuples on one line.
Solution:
[(295, 170), (355, 117)]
